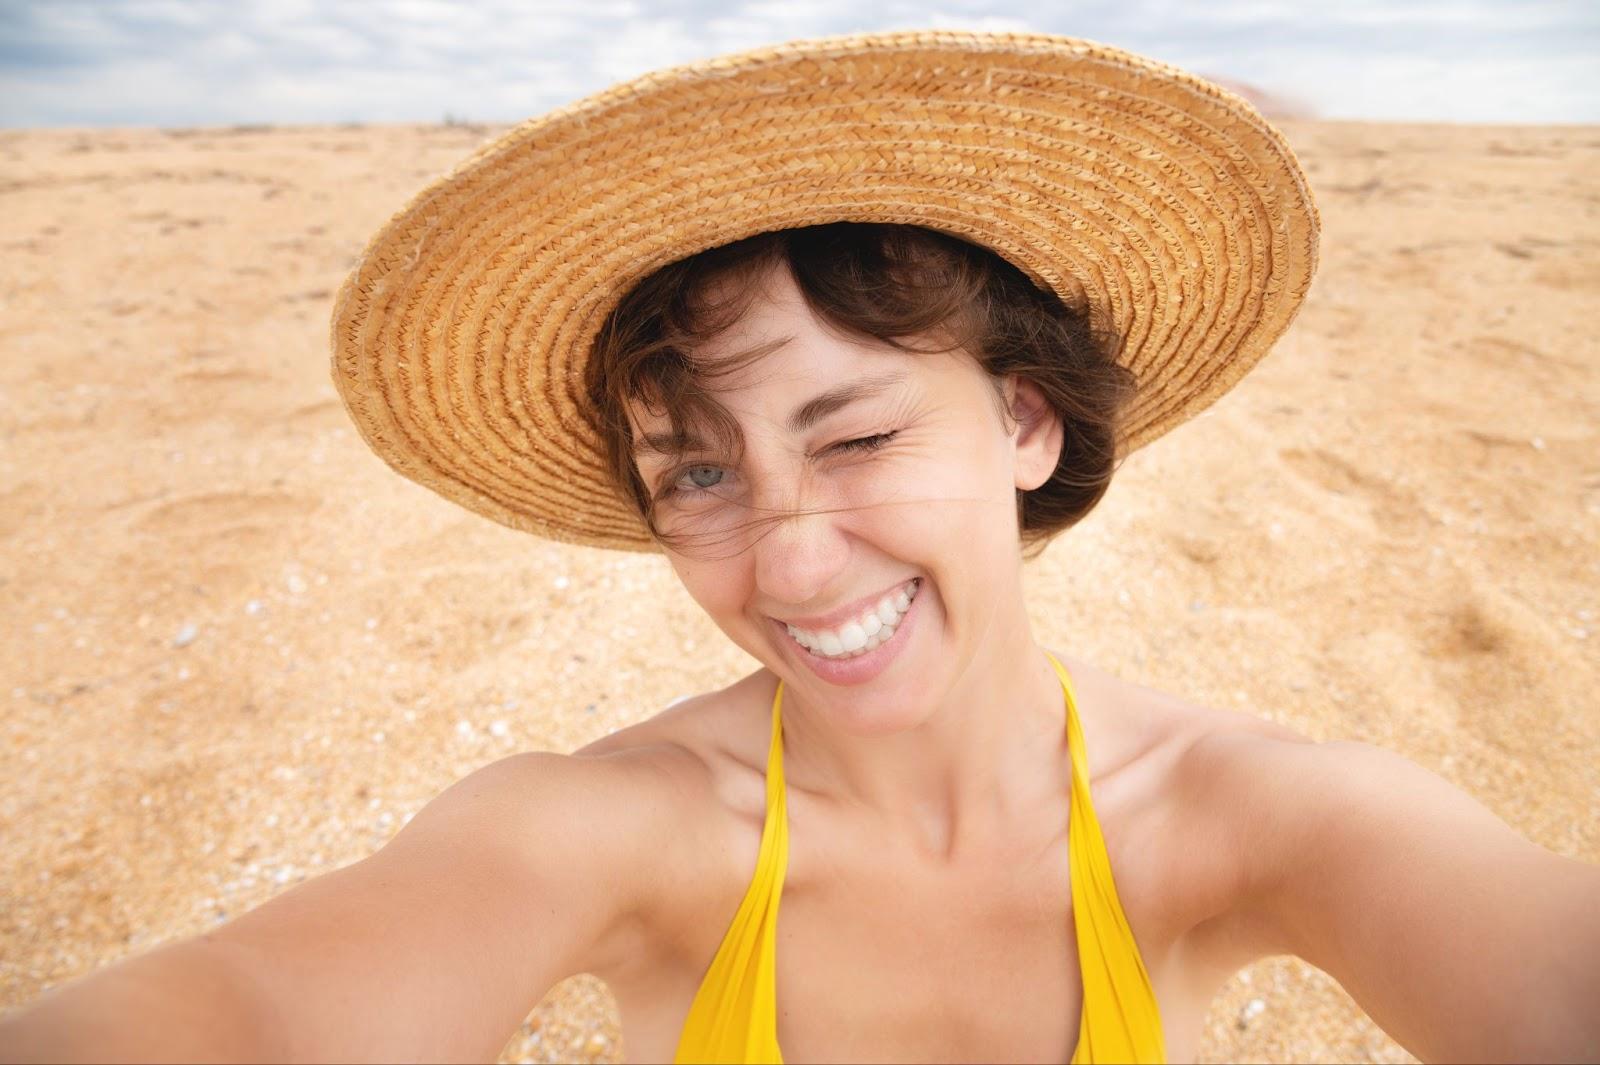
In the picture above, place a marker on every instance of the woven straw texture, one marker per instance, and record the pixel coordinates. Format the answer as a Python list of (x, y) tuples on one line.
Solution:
[(1164, 205)]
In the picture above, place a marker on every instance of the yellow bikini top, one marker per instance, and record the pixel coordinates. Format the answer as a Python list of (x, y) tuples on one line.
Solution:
[(734, 1017)]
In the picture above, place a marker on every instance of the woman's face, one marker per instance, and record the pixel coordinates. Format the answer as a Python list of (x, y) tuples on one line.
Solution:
[(902, 561)]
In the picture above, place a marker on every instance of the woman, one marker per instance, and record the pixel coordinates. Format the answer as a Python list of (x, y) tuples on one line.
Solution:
[(844, 328)]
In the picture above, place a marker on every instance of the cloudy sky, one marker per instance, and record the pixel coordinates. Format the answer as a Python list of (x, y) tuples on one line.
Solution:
[(197, 62)]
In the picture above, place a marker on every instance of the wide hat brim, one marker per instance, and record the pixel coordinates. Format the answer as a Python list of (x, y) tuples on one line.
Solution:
[(1165, 206)]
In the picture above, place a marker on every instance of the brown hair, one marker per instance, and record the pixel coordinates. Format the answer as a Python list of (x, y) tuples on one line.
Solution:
[(882, 282)]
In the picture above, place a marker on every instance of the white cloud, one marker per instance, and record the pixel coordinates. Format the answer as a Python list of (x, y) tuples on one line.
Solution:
[(173, 62)]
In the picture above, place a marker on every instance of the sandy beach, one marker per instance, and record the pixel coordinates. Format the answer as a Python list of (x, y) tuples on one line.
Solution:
[(241, 652)]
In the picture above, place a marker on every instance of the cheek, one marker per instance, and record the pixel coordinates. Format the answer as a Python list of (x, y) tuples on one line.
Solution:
[(954, 486), (938, 519), (973, 529), (719, 589)]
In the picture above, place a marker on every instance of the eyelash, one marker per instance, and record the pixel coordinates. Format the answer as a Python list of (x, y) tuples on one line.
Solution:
[(859, 444), (865, 443)]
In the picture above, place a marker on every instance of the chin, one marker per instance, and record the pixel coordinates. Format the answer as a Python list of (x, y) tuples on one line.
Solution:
[(867, 712)]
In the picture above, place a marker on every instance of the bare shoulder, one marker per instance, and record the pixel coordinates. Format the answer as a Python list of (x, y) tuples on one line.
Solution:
[(1174, 822), (1369, 865), (702, 760), (711, 744), (1129, 725)]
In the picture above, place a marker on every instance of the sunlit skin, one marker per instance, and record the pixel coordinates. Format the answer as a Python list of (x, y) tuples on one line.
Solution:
[(971, 706)]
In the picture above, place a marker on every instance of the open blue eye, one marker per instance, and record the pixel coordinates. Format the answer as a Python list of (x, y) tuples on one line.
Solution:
[(713, 472)]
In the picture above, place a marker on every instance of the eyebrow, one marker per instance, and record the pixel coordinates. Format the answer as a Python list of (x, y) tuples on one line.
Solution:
[(819, 407), (804, 416)]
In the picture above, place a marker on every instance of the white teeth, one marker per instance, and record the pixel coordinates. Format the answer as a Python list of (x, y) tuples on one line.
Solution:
[(853, 637), (867, 632)]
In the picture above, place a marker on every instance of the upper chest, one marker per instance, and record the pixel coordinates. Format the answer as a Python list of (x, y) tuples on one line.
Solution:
[(883, 957), (880, 957)]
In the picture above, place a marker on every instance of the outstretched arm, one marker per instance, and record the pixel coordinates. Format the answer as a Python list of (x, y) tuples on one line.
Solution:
[(1462, 939), (530, 869)]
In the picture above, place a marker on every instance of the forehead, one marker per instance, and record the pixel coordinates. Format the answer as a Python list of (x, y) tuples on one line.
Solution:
[(800, 368), (795, 344)]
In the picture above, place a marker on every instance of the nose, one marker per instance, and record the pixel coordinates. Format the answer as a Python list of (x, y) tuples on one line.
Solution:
[(800, 557)]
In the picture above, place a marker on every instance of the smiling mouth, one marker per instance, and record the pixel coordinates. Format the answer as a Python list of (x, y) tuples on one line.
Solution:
[(867, 631)]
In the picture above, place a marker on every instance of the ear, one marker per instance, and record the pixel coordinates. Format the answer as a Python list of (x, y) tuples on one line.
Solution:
[(1037, 436)]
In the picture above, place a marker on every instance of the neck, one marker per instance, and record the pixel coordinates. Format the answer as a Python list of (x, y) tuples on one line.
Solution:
[(986, 751)]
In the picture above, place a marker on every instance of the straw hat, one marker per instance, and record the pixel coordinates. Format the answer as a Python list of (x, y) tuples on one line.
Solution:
[(1164, 205)]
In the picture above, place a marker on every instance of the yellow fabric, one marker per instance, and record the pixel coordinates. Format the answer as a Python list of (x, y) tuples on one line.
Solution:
[(734, 1016), (1121, 1020)]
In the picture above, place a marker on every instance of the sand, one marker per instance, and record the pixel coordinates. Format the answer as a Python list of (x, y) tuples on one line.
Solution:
[(240, 651)]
